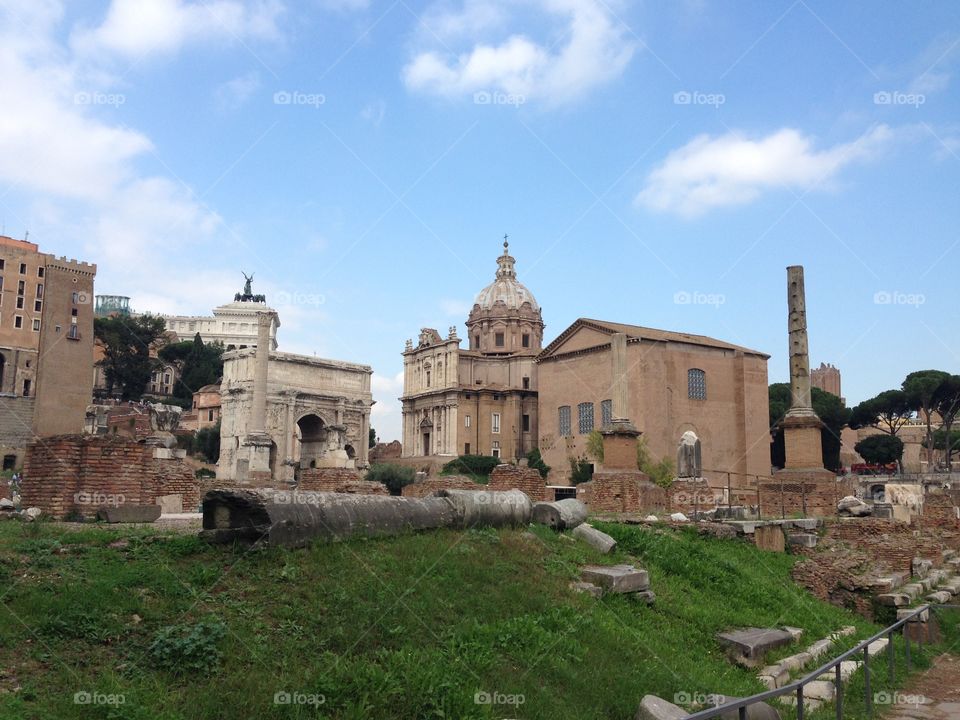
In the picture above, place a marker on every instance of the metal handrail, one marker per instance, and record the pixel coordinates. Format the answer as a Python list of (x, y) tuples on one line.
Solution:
[(797, 685)]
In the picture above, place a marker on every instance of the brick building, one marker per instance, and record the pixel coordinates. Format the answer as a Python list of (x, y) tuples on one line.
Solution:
[(481, 400), (46, 345), (677, 383), (827, 378)]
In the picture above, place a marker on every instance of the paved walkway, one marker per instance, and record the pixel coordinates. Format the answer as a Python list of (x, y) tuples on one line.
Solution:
[(934, 695)]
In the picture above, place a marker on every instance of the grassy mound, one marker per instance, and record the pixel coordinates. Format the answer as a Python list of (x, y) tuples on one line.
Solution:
[(435, 625)]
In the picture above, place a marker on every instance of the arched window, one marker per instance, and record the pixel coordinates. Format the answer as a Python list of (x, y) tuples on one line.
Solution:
[(696, 384), (585, 417)]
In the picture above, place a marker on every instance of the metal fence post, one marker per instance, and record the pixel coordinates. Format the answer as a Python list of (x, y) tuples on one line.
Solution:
[(800, 703), (906, 647), (890, 660), (839, 684), (866, 680)]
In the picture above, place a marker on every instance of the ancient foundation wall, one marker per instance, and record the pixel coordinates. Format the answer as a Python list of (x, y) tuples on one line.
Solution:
[(430, 485), (340, 480), (525, 479), (621, 491), (76, 474)]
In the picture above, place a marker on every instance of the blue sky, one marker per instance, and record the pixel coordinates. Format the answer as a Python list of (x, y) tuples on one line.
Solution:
[(653, 163)]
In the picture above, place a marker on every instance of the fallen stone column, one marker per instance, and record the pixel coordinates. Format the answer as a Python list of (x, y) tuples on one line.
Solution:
[(560, 515), (489, 508), (599, 541), (238, 515)]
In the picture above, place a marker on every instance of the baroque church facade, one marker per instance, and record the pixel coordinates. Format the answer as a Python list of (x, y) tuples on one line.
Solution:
[(481, 400)]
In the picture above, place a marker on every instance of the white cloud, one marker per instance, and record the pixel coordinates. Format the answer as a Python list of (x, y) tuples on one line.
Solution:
[(587, 47), (710, 172), (135, 28), (233, 94)]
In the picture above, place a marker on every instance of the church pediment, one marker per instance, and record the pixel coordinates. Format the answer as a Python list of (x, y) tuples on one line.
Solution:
[(579, 336)]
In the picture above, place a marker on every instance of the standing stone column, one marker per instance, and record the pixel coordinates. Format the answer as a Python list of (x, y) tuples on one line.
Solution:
[(801, 426), (364, 436), (618, 346), (258, 415)]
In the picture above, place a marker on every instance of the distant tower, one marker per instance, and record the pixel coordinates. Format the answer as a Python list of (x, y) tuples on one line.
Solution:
[(827, 378)]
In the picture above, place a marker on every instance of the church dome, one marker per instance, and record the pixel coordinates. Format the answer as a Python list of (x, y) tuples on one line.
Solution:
[(506, 288)]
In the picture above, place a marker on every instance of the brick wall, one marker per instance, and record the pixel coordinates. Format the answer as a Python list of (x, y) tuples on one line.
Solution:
[(341, 480), (796, 494), (526, 479), (429, 486), (688, 496), (621, 491), (76, 474)]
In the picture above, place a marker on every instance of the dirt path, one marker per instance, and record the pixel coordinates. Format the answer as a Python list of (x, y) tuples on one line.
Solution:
[(934, 695)]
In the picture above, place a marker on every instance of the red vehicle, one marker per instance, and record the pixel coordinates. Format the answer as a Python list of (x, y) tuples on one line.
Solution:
[(871, 469)]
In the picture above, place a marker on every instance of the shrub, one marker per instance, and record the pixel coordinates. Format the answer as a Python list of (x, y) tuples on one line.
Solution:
[(595, 446), (204, 473), (181, 649), (661, 473), (471, 465), (581, 470), (535, 460), (395, 477)]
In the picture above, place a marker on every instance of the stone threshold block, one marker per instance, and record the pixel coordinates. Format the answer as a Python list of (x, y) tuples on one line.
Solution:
[(129, 514), (619, 579), (748, 646)]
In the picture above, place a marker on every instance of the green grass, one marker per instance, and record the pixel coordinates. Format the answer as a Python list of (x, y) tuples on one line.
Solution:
[(409, 627)]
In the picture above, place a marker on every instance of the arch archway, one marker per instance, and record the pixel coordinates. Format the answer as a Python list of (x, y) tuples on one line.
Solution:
[(313, 439)]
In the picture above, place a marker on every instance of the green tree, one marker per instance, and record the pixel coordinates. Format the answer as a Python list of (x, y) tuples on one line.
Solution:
[(207, 443), (889, 411), (828, 407), (921, 388), (197, 364), (126, 342), (947, 405), (942, 440), (880, 449), (535, 460), (372, 438)]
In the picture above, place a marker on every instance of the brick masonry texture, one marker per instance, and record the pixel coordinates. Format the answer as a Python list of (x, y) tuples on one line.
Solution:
[(526, 479), (621, 491), (423, 488), (341, 480), (75, 474)]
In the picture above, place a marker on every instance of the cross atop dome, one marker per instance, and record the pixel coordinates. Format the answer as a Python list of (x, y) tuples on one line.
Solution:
[(507, 270)]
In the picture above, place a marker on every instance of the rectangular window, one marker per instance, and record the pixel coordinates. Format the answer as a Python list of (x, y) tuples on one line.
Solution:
[(526, 383), (496, 422), (696, 384), (606, 413), (20, 287), (585, 418), (526, 340), (1, 282), (37, 305), (564, 422), (73, 333), (3, 263), (26, 388), (466, 448), (496, 449), (23, 268), (36, 324), (466, 421), (18, 321), (526, 423), (210, 415), (476, 342), (499, 340), (39, 272), (74, 312), (19, 303), (39, 290)]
